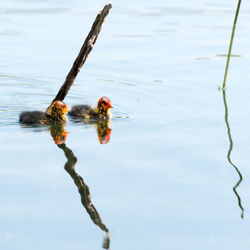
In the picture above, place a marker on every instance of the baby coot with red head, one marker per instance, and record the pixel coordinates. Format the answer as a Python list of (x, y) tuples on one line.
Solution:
[(102, 111), (55, 112)]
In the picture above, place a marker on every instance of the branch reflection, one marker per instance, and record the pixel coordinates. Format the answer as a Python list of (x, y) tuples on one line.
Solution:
[(229, 154), (59, 134)]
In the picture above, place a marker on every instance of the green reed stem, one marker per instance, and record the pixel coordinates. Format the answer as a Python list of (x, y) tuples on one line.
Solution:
[(231, 44)]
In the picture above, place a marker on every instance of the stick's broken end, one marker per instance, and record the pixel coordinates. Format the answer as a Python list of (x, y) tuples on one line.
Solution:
[(109, 5)]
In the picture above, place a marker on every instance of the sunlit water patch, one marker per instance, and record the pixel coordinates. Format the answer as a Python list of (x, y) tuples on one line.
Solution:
[(158, 176)]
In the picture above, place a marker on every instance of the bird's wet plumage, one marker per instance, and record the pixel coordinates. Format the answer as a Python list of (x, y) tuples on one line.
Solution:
[(55, 112), (32, 117), (102, 111)]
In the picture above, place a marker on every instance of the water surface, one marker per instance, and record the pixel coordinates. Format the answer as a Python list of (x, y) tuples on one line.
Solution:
[(163, 181)]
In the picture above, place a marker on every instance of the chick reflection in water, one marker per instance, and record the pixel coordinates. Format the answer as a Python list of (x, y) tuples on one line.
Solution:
[(102, 127), (103, 131), (98, 115), (59, 135)]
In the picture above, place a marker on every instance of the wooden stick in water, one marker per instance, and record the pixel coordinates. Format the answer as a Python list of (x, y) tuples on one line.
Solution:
[(84, 52)]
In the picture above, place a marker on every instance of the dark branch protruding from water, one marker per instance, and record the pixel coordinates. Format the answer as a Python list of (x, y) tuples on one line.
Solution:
[(84, 52)]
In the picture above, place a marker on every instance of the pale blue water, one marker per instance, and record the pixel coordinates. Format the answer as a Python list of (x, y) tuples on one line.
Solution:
[(163, 181)]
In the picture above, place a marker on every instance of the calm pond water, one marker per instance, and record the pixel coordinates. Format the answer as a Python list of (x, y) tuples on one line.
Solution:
[(164, 180)]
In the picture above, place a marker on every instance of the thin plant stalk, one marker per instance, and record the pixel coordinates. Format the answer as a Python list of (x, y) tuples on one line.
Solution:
[(231, 44), (226, 113)]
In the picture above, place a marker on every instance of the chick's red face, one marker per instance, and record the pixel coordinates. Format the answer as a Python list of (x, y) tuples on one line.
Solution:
[(106, 101), (62, 106)]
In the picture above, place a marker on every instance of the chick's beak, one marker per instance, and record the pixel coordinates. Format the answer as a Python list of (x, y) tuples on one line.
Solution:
[(66, 109)]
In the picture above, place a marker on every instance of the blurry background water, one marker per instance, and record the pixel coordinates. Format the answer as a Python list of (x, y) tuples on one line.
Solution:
[(163, 181)]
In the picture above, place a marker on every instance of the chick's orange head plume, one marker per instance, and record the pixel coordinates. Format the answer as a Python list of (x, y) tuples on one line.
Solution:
[(105, 101), (61, 105)]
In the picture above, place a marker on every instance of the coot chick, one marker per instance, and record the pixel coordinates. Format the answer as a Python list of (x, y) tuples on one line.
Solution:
[(55, 112), (102, 111)]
